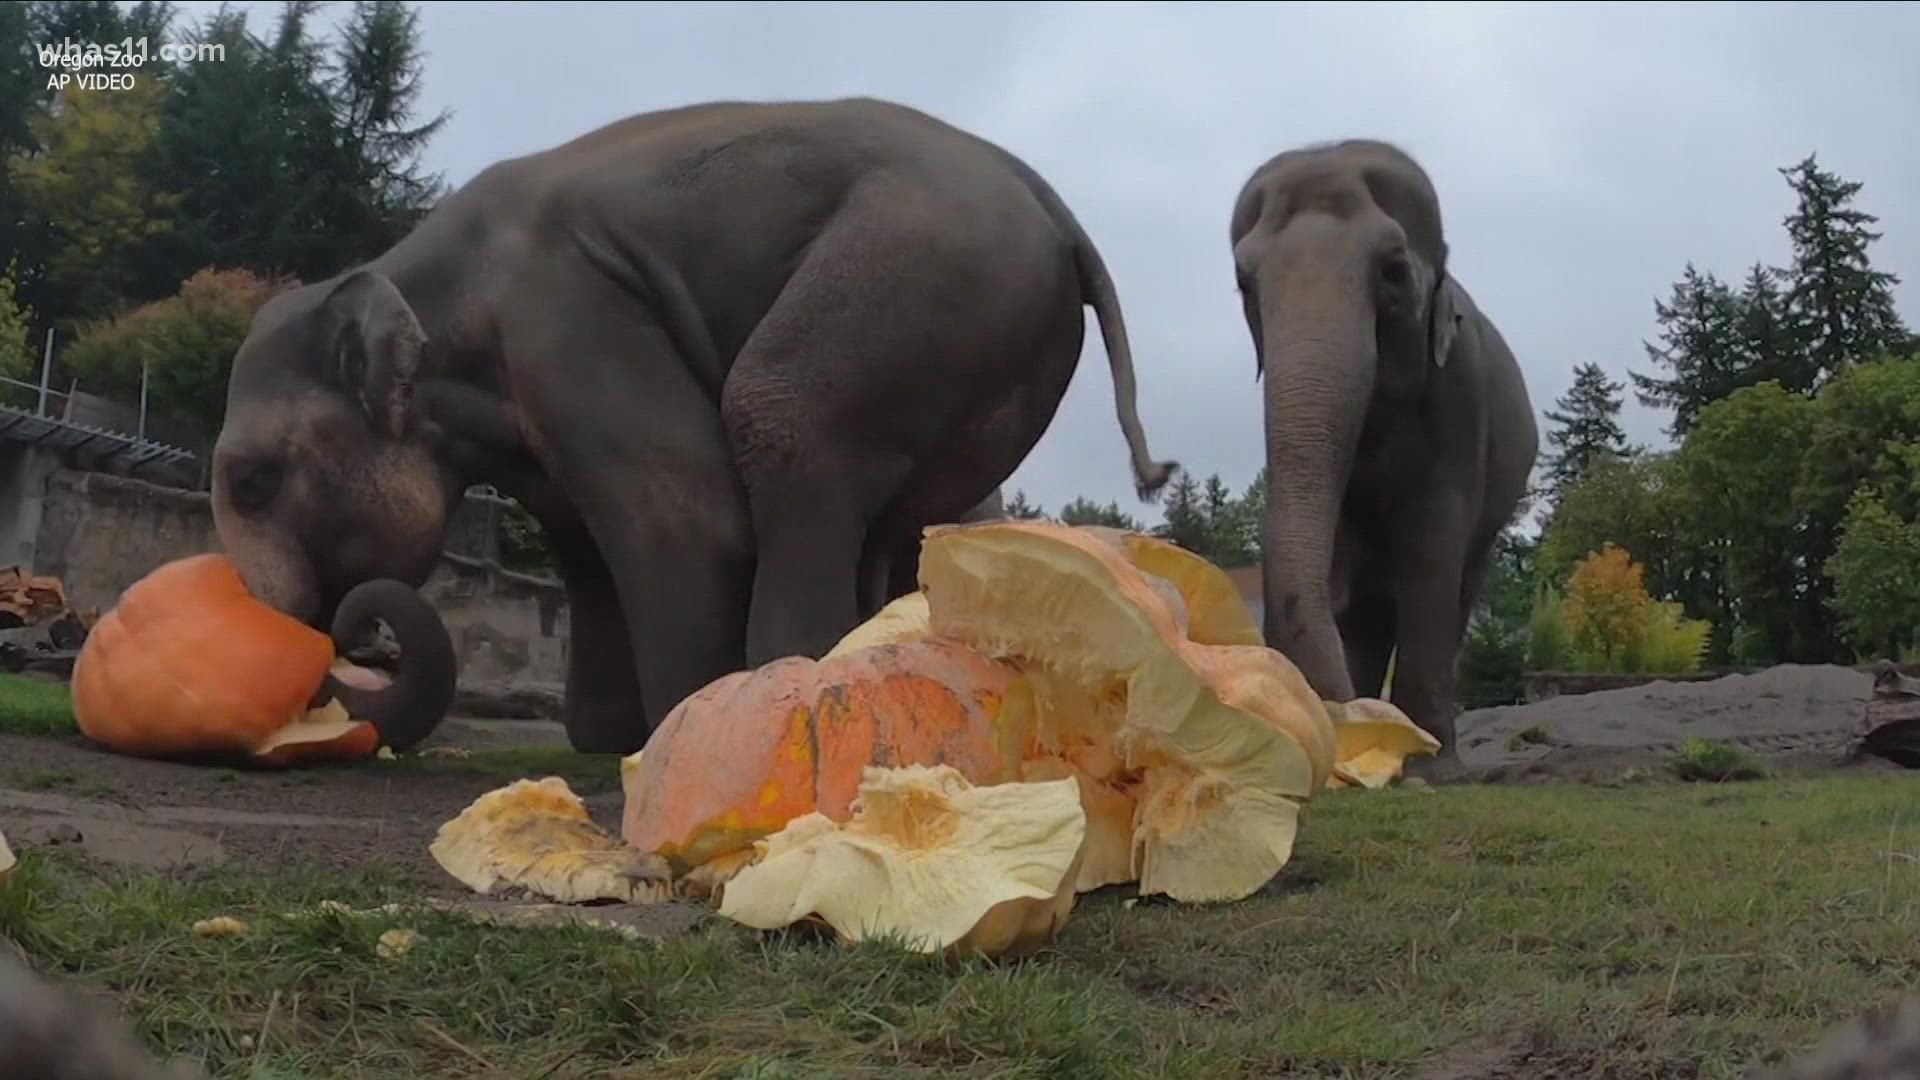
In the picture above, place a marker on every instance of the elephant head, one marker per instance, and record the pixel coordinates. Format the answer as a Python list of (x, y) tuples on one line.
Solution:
[(325, 472), (1341, 267)]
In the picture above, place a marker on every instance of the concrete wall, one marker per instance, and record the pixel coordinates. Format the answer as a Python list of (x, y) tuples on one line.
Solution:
[(99, 534)]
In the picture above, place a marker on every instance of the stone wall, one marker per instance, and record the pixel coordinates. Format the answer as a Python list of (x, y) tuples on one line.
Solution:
[(99, 534)]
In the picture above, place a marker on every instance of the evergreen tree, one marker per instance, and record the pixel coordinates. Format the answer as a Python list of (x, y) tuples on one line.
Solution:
[(1699, 322), (1084, 511), (1586, 427), (1840, 309), (1020, 507), (378, 90), (1185, 518), (1766, 348), (1227, 531)]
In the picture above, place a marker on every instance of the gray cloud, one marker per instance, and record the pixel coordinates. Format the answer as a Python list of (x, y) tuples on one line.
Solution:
[(1584, 152)]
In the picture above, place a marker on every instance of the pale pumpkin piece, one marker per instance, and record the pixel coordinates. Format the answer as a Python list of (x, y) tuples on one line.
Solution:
[(323, 734), (536, 835), (7, 861), (928, 859), (1216, 614), (903, 620), (1373, 740), (1218, 745), (753, 750)]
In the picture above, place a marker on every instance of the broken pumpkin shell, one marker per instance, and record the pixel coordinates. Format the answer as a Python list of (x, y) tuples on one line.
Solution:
[(925, 858), (188, 662), (753, 750), (536, 835), (1217, 745), (1373, 740)]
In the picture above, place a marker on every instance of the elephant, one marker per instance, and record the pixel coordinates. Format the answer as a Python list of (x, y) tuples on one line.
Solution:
[(733, 356), (1400, 434)]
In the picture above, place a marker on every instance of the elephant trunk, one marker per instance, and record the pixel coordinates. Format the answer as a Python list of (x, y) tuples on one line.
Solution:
[(406, 710), (1318, 353)]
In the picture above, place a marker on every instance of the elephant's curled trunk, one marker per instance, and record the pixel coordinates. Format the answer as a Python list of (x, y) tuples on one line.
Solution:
[(407, 709)]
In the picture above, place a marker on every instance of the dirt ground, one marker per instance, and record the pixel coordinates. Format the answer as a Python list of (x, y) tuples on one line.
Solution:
[(131, 814)]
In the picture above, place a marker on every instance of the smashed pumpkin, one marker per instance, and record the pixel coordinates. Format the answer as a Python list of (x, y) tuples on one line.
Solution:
[(753, 750), (189, 662), (927, 858), (1033, 653), (1214, 746)]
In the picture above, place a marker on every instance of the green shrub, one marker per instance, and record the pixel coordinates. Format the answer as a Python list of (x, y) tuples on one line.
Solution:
[(1712, 761), (1549, 641), (1493, 664), (186, 342), (1672, 644)]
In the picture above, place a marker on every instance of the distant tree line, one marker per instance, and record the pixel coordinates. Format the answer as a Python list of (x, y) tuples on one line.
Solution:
[(1781, 523), (146, 224)]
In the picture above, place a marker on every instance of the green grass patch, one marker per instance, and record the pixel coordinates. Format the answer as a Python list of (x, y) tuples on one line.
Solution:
[(1653, 931), (35, 707)]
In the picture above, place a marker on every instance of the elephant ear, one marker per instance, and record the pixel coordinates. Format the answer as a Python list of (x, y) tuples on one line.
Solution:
[(1443, 320), (377, 342)]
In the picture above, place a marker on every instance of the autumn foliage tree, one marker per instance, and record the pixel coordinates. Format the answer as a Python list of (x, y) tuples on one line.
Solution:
[(1607, 604)]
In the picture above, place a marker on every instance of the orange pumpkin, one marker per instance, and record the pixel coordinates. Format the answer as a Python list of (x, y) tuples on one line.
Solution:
[(189, 662), (751, 751)]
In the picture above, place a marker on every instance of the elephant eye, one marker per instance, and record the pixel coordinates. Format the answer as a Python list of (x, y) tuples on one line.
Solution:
[(253, 485), (1396, 271)]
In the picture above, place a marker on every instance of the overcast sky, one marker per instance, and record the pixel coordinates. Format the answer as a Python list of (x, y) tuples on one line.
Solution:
[(1583, 152)]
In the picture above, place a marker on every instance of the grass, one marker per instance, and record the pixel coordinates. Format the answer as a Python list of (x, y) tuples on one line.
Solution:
[(35, 707), (1654, 931)]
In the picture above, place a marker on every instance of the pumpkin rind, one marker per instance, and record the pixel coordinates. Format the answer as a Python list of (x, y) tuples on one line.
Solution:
[(753, 750), (189, 662)]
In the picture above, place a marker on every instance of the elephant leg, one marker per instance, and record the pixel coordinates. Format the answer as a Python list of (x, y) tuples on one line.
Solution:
[(656, 492), (1367, 633), (603, 685), (1429, 586), (867, 403)]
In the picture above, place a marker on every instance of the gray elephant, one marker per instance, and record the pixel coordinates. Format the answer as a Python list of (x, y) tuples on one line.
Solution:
[(732, 357), (1399, 430)]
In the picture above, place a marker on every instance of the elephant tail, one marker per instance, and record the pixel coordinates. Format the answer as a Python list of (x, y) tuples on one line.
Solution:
[(1097, 289)]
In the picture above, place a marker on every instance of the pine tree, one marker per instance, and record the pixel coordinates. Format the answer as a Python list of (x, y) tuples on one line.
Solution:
[(1699, 322), (1020, 507), (1184, 516), (1840, 309), (377, 90), (1586, 426), (1084, 511), (1765, 346)]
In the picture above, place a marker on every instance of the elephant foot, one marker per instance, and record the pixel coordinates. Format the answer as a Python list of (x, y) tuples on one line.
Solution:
[(1444, 767)]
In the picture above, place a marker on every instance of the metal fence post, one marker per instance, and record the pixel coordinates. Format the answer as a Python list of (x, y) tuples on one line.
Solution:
[(46, 373), (143, 401)]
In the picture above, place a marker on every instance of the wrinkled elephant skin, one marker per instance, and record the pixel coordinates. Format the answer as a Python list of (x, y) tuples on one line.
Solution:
[(1400, 434), (731, 356)]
